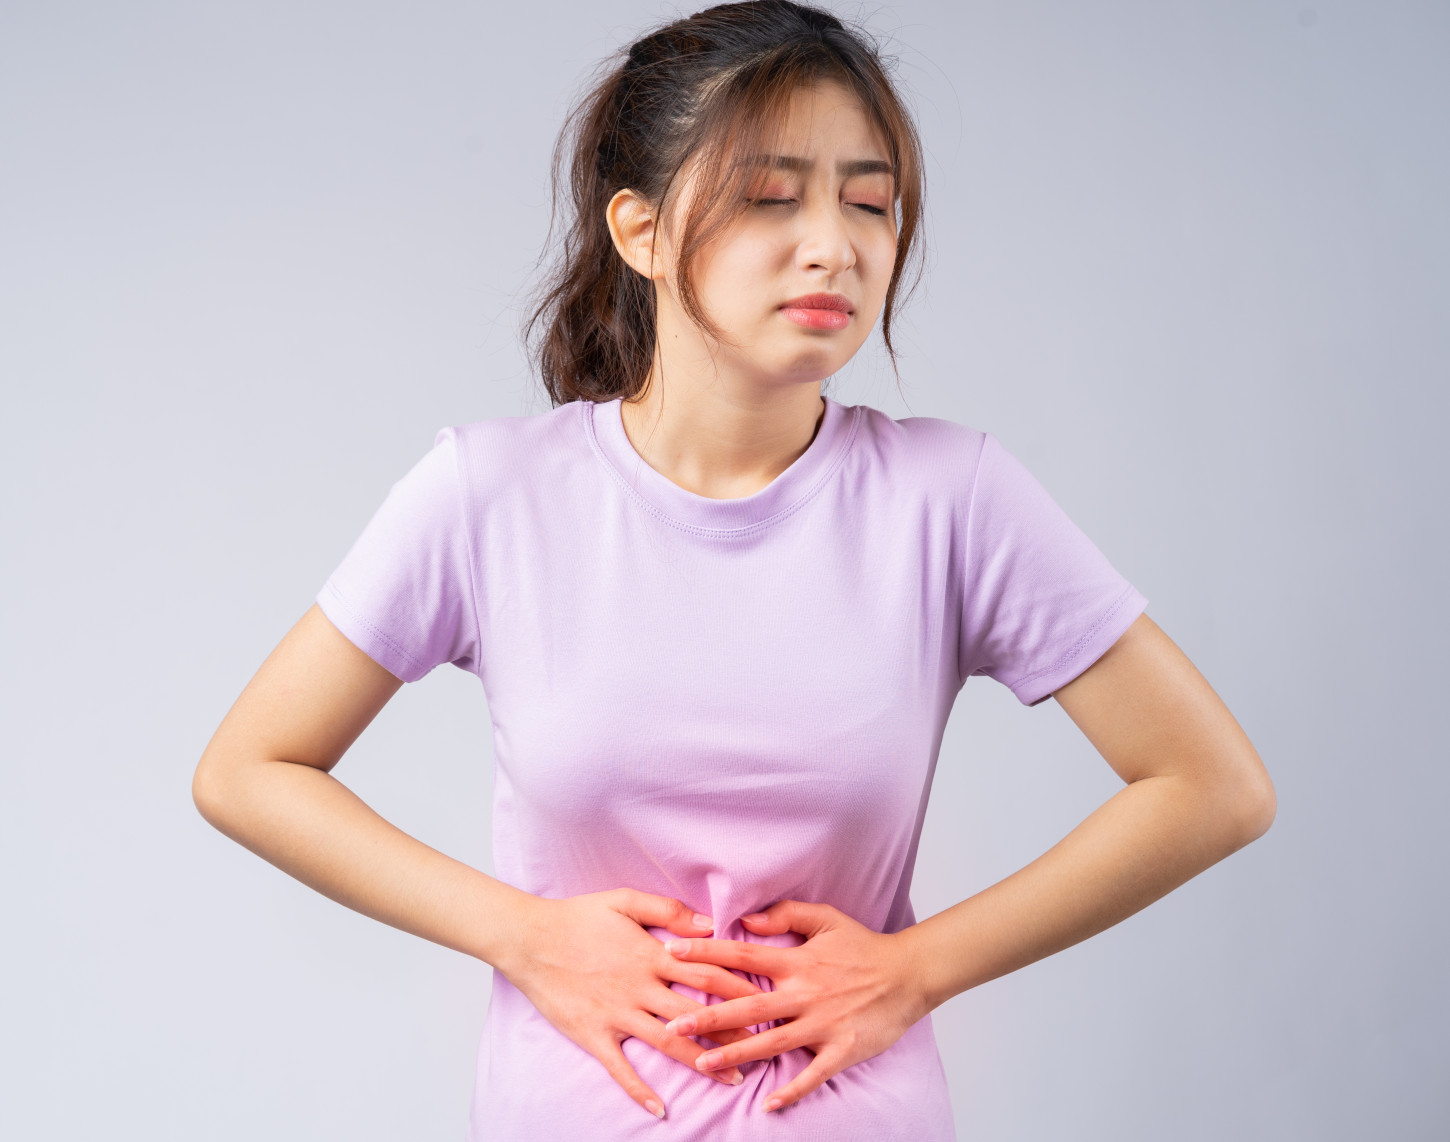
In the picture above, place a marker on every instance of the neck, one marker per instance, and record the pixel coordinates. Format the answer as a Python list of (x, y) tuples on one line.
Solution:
[(722, 441)]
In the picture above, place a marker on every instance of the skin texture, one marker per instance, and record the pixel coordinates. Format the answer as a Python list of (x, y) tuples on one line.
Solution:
[(723, 421)]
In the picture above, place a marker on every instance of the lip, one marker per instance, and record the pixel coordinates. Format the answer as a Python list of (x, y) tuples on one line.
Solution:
[(819, 311), (833, 301)]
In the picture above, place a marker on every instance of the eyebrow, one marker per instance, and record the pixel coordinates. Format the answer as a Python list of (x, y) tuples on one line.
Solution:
[(848, 168)]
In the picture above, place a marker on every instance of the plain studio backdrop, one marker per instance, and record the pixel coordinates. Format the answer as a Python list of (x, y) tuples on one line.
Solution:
[(1187, 260)]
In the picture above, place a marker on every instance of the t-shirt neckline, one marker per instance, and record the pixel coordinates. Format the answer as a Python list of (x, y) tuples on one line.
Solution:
[(663, 497)]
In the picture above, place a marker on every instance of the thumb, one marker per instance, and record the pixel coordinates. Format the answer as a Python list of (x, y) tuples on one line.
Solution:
[(792, 916), (661, 912)]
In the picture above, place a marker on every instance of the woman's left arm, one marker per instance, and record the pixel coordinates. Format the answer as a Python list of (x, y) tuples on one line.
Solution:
[(1196, 792)]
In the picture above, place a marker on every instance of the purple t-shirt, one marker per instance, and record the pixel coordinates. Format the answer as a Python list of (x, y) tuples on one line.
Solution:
[(731, 702)]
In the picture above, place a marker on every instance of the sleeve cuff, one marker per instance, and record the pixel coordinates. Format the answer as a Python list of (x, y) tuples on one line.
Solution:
[(1036, 688), (376, 644)]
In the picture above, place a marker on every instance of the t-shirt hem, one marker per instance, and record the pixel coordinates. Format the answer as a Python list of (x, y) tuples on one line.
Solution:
[(1037, 687), (376, 644)]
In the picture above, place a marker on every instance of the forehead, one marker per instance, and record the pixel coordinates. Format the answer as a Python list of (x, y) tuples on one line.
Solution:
[(824, 128), (828, 116)]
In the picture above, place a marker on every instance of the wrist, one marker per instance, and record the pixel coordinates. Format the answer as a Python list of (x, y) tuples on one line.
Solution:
[(511, 921), (922, 977)]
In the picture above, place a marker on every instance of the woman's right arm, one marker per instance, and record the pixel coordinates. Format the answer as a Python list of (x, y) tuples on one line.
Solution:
[(264, 780)]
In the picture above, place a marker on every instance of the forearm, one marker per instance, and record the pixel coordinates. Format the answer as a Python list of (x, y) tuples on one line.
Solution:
[(311, 826), (1153, 835)]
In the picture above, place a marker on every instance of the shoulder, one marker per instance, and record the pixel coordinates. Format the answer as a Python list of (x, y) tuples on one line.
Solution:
[(558, 427), (502, 451), (926, 452), (918, 439)]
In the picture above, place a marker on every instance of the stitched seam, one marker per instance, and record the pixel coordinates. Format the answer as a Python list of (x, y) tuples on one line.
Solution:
[(472, 554), (1077, 647), (728, 532), (381, 635), (968, 552)]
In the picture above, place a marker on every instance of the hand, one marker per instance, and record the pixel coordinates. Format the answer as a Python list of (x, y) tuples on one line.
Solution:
[(592, 971), (848, 993)]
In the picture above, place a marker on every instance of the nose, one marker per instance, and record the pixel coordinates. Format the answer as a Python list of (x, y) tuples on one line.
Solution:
[(825, 242)]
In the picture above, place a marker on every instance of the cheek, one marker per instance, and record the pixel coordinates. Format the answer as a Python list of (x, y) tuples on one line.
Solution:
[(741, 277), (879, 258), (883, 249)]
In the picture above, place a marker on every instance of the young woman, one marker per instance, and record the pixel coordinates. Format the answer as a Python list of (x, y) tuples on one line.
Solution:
[(721, 620)]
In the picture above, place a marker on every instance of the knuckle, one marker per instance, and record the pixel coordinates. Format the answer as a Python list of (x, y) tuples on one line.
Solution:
[(809, 1079), (621, 1072), (633, 1087), (720, 982), (785, 1038)]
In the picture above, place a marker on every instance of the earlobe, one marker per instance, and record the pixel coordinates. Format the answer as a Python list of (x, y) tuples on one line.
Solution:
[(632, 226)]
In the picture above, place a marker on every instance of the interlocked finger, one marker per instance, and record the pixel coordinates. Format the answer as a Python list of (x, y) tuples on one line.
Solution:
[(758, 959), (751, 1011), (765, 1045), (707, 978), (650, 1030), (612, 1056), (672, 1005), (821, 1068)]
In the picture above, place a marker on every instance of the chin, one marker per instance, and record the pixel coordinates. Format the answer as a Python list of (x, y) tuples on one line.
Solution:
[(805, 376), (816, 362)]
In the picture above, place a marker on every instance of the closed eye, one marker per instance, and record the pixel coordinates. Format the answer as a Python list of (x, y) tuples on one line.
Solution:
[(788, 201)]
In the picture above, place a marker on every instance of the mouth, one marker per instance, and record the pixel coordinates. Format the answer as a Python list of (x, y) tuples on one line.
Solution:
[(819, 311)]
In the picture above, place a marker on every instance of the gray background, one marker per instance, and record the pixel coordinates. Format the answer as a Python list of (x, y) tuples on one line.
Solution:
[(1188, 261)]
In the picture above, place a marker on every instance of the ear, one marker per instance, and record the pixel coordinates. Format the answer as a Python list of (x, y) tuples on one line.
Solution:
[(632, 226)]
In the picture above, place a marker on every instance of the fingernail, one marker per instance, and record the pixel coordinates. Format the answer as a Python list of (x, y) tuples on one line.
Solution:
[(772, 1104), (704, 922), (654, 1108), (705, 1062), (734, 1078), (677, 947), (757, 917), (684, 1025)]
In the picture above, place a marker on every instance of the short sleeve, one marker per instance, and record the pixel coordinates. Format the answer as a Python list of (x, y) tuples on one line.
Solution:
[(1042, 603), (404, 591)]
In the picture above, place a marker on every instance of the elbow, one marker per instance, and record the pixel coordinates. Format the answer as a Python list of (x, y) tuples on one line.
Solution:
[(208, 793), (1256, 807)]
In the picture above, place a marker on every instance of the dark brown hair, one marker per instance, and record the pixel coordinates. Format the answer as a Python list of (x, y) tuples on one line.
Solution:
[(714, 87)]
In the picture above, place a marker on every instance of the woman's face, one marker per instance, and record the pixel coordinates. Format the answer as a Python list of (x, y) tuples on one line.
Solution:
[(824, 222)]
